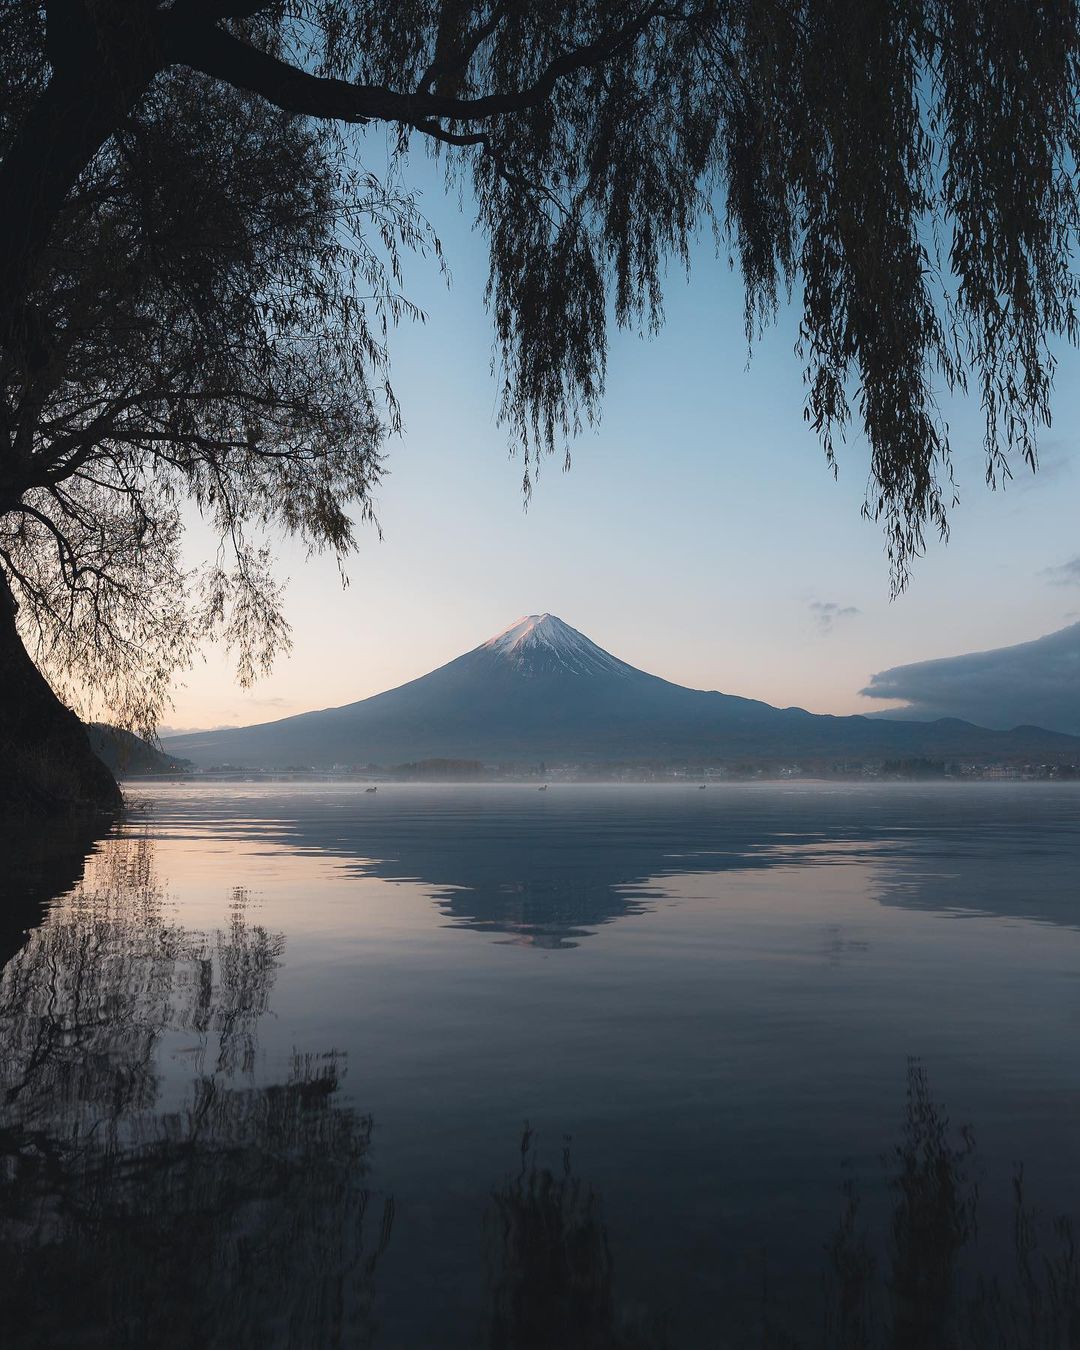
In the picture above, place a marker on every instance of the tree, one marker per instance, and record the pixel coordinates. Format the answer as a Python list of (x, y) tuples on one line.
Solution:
[(196, 274)]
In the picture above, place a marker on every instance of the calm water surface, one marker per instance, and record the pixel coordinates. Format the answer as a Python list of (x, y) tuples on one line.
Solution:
[(267, 1054)]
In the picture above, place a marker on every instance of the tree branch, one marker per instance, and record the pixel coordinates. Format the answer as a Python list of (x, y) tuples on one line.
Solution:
[(219, 54), (456, 61)]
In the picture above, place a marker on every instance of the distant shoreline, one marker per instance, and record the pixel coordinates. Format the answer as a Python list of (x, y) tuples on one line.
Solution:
[(556, 780)]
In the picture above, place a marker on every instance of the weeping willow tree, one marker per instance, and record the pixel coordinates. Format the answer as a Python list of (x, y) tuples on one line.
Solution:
[(198, 273)]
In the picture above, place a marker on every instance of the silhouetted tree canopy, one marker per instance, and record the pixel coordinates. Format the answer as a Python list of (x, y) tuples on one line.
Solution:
[(197, 271)]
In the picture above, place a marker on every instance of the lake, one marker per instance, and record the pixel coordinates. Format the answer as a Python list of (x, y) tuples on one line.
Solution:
[(301, 1065)]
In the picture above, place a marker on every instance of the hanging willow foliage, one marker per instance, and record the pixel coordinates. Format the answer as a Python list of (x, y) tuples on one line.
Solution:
[(197, 273)]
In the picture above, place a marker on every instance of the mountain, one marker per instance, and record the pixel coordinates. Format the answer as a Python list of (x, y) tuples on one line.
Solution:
[(543, 691), (125, 754)]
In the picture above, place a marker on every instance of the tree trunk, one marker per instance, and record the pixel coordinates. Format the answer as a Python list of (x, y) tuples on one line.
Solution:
[(46, 765), (104, 57)]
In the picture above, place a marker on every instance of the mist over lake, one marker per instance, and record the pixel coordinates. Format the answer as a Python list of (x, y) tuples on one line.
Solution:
[(268, 1063)]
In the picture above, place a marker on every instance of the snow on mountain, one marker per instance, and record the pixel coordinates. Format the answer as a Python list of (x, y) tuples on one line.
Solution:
[(543, 642)]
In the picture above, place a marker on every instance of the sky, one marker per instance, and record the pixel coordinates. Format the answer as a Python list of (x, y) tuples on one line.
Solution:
[(698, 535)]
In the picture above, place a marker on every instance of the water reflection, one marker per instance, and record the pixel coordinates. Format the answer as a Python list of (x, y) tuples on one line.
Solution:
[(551, 869), (549, 1269), (211, 1211), (910, 1278), (928, 1279), (40, 863), (203, 1207), (159, 1185), (549, 878)]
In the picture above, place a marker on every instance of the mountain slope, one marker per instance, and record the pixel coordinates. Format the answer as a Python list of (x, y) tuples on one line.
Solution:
[(542, 690), (125, 754)]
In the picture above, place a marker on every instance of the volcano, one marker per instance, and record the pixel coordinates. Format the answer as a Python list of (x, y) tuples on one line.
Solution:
[(541, 690)]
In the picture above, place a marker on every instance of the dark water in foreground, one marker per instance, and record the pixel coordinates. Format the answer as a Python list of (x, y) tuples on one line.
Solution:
[(267, 1055)]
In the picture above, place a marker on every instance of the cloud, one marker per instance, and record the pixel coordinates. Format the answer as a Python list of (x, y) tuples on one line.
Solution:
[(827, 613), (1032, 684), (167, 730), (236, 717), (1065, 574)]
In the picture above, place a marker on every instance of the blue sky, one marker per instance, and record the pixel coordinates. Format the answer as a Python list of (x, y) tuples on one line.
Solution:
[(698, 534)]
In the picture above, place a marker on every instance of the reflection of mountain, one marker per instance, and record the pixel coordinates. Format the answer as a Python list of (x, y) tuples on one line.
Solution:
[(139, 1210), (550, 868), (546, 870), (542, 869), (549, 880)]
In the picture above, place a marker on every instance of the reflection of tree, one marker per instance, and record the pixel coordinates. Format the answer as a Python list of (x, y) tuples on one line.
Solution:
[(929, 1293), (911, 1304), (85, 1002), (550, 1272), (918, 1283), (39, 864), (232, 1216)]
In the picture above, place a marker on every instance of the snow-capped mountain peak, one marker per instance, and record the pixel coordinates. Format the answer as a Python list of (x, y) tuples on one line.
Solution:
[(544, 643)]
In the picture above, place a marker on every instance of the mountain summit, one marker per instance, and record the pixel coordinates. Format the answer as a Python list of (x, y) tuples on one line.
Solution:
[(540, 690), (543, 644)]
